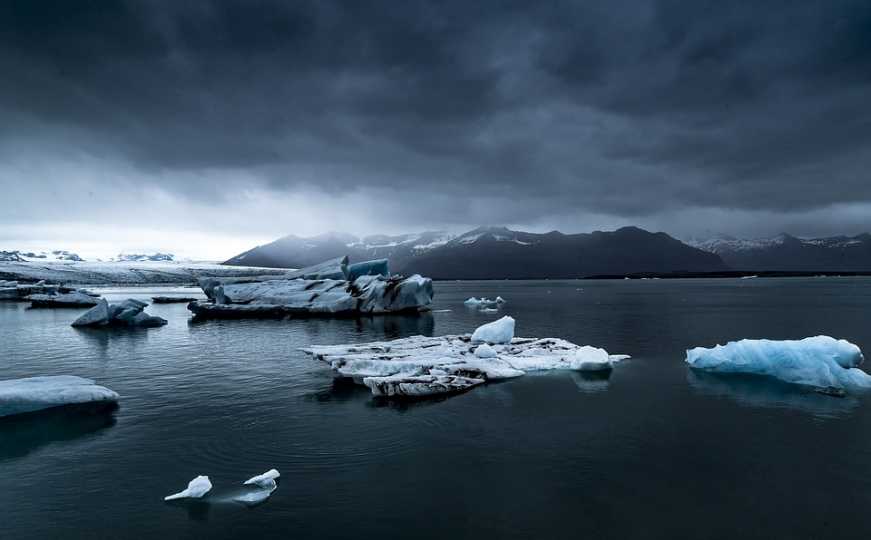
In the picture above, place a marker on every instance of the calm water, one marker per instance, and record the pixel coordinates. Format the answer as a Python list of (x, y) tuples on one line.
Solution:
[(652, 452)]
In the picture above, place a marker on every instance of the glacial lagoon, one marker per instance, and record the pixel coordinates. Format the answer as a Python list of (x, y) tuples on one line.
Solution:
[(652, 449)]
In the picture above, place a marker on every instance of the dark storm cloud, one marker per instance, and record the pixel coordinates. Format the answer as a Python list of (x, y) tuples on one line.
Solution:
[(512, 111)]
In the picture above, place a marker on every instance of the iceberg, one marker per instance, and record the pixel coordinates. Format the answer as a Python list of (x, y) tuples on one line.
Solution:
[(823, 363), (197, 487), (127, 313), (377, 267), (32, 394), (421, 366), (499, 331), (311, 294)]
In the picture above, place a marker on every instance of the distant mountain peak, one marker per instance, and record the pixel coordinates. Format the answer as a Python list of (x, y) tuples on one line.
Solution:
[(496, 252)]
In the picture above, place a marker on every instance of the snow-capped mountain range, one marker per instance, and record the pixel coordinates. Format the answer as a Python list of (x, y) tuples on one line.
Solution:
[(790, 253), (495, 253)]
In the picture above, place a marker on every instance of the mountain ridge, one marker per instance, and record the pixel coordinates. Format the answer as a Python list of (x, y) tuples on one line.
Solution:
[(495, 252)]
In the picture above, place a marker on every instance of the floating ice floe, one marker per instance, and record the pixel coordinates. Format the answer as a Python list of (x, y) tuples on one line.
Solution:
[(425, 366), (826, 364), (484, 304), (74, 299), (197, 487), (129, 313), (331, 289), (18, 396)]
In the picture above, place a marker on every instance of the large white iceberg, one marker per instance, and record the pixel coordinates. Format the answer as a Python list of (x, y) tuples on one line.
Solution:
[(32, 394), (328, 289), (423, 366), (197, 487), (822, 362)]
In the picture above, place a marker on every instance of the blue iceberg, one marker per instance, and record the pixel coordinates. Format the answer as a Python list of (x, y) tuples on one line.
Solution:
[(826, 364)]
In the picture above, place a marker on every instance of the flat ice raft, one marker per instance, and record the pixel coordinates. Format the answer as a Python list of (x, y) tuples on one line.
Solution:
[(421, 366), (18, 396), (826, 364)]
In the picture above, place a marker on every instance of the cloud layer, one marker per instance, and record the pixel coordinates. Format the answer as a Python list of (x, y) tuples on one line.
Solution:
[(691, 117)]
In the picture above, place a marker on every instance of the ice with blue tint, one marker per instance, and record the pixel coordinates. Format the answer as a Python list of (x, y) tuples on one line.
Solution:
[(821, 362), (498, 331), (377, 267), (31, 394)]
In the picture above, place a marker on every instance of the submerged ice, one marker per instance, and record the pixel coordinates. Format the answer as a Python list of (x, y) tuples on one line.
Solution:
[(421, 366), (822, 362)]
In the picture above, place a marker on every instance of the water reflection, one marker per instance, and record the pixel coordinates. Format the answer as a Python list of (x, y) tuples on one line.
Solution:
[(197, 509), (375, 328), (591, 381), (22, 434), (758, 391), (342, 389)]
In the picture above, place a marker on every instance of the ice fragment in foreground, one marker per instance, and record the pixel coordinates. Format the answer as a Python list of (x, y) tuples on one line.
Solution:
[(197, 487), (264, 480)]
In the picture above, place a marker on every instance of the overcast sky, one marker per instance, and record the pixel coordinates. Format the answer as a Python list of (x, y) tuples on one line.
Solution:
[(207, 127)]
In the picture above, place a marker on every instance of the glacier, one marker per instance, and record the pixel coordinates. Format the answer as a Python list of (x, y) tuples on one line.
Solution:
[(421, 366), (18, 396), (197, 487), (327, 289), (124, 272), (128, 313), (826, 364)]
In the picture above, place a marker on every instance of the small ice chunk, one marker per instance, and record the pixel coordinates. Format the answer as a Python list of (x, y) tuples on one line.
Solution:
[(592, 359), (499, 331), (264, 480), (483, 303), (197, 487), (485, 351)]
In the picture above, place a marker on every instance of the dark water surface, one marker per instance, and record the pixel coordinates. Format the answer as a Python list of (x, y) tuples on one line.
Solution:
[(652, 452)]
